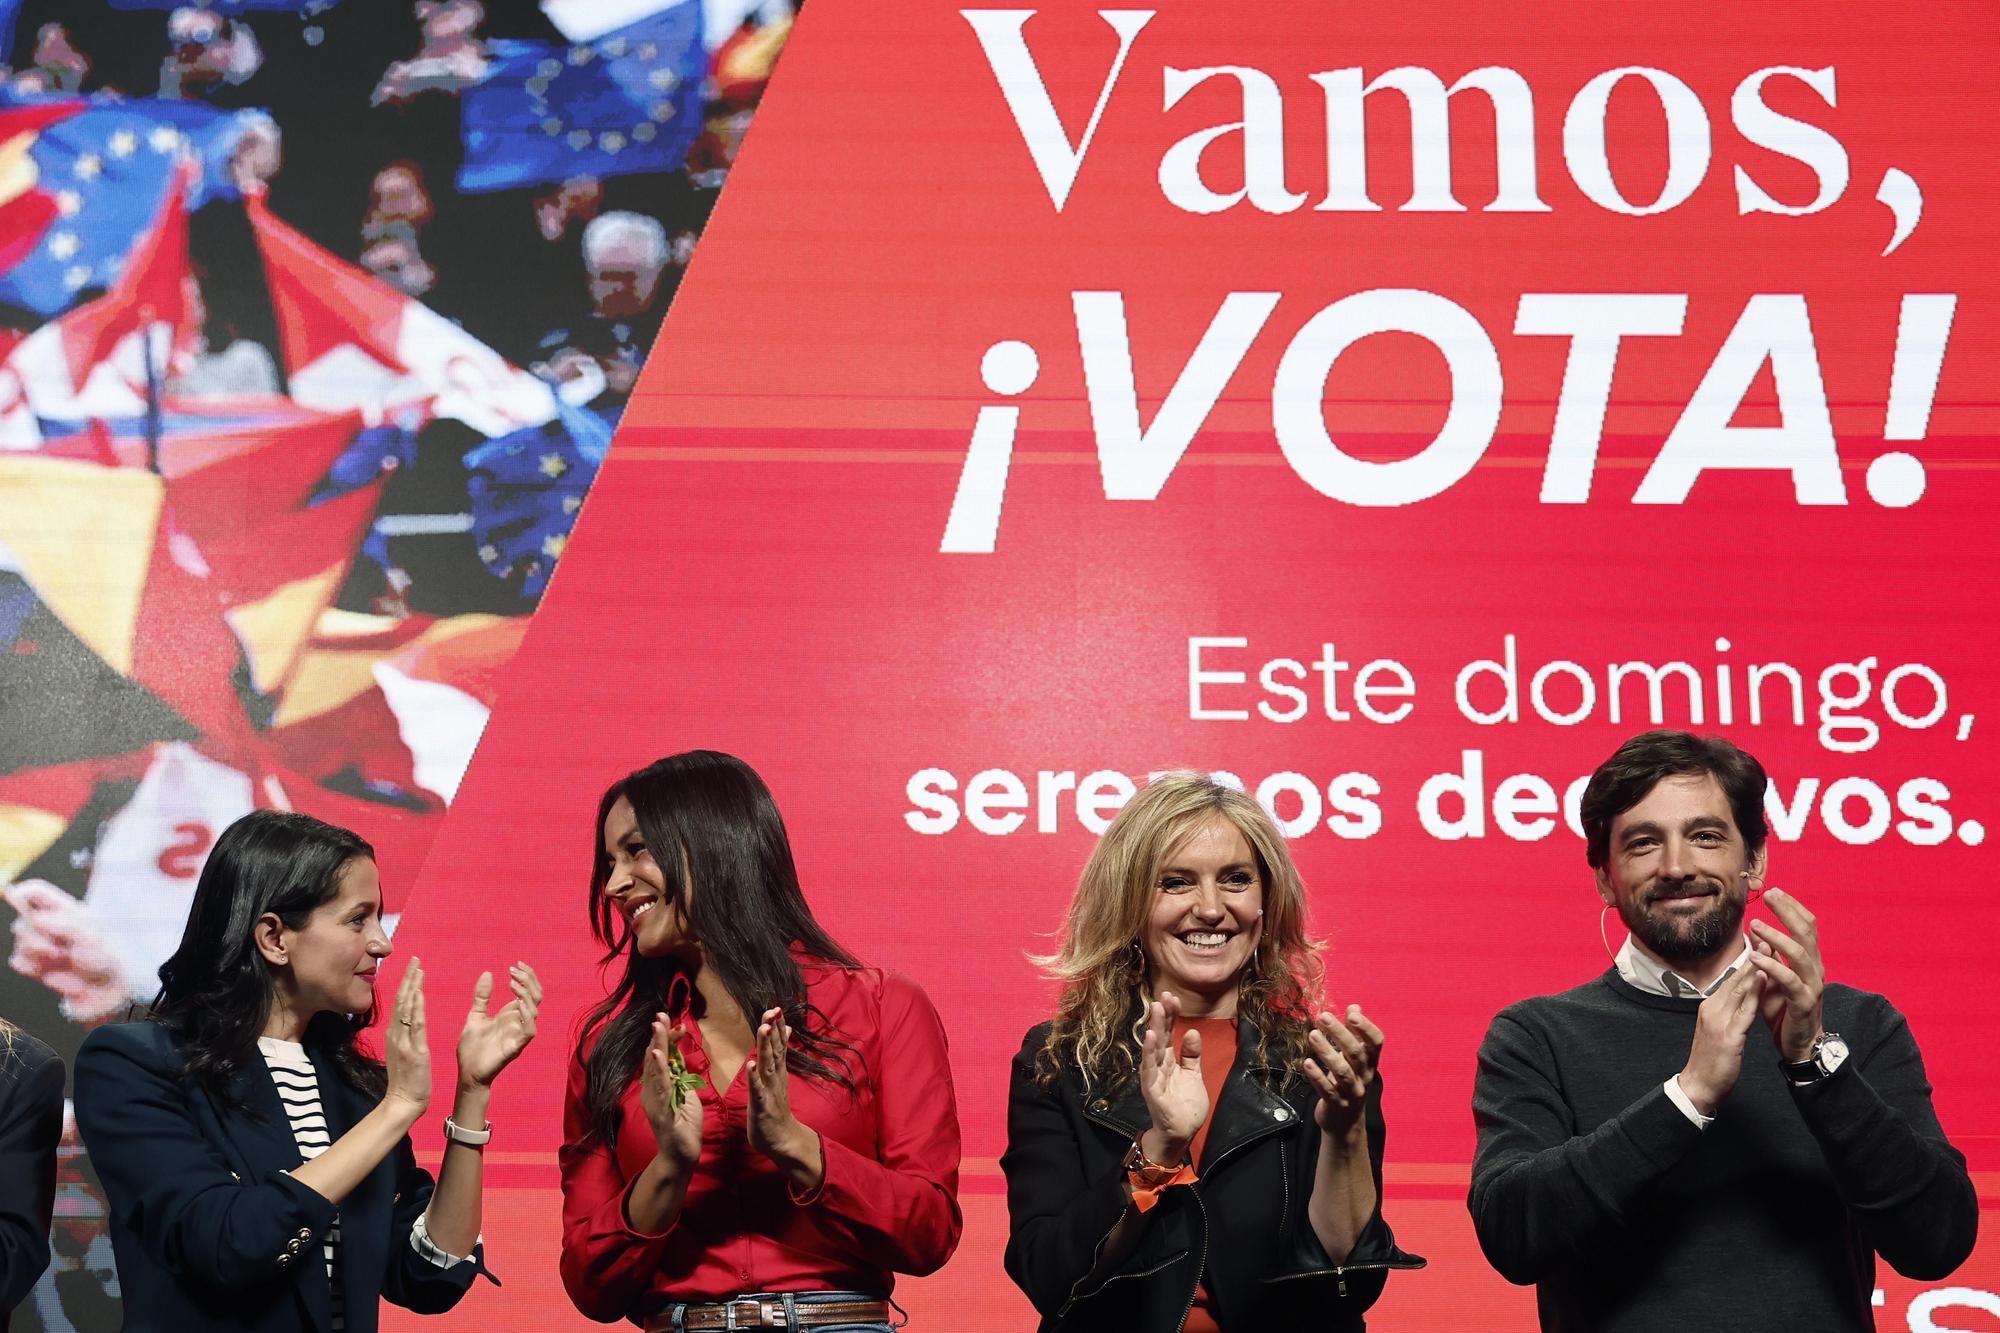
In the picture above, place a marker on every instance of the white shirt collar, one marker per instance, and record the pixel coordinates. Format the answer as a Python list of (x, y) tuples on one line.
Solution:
[(284, 1054), (1644, 973)]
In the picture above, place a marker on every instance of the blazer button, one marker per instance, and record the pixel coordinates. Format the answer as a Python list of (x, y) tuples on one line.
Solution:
[(305, 1233), (284, 1259), (292, 1246), (1281, 1113)]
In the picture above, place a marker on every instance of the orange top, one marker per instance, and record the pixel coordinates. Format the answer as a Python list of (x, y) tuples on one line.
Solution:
[(1218, 1053)]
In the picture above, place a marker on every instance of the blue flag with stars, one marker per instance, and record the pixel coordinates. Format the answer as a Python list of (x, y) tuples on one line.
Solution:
[(526, 489), (108, 169), (627, 103)]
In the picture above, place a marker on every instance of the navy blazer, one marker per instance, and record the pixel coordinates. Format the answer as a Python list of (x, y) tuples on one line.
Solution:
[(31, 1100), (209, 1232)]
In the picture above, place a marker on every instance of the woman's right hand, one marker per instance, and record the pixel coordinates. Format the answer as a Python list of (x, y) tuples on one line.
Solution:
[(406, 1046), (678, 1133), (1170, 1079)]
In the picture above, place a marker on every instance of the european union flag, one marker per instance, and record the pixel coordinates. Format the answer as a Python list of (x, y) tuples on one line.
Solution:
[(107, 169), (526, 489), (627, 103)]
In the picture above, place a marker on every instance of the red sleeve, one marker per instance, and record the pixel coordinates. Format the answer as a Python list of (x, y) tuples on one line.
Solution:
[(607, 1268), (902, 1203)]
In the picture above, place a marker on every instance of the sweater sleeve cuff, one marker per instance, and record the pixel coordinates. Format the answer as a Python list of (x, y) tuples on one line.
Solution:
[(1682, 1100), (1656, 1130)]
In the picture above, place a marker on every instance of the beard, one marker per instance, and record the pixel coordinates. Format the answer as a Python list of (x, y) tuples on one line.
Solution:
[(1689, 938)]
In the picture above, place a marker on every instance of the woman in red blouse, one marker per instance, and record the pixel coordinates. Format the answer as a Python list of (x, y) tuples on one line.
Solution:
[(814, 1151)]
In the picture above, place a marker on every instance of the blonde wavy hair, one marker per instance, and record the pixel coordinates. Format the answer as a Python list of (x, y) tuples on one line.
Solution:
[(1100, 1013)]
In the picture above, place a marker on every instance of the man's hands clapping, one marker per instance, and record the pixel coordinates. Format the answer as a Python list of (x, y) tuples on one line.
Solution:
[(1783, 985), (1794, 976)]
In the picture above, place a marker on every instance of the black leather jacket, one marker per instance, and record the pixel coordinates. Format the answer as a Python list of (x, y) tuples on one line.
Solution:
[(1242, 1230)]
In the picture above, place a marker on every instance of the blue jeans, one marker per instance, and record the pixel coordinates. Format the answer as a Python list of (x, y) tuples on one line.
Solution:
[(796, 1300)]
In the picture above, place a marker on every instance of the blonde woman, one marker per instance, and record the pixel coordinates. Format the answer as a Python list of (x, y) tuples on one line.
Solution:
[(1190, 1145)]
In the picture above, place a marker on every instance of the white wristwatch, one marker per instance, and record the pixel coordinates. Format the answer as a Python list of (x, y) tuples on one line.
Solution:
[(472, 1137), (1828, 1054)]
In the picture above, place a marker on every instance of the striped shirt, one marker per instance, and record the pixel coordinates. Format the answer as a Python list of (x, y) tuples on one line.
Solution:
[(298, 1091)]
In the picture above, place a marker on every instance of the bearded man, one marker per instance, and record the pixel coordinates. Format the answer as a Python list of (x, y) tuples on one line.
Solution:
[(1646, 1158)]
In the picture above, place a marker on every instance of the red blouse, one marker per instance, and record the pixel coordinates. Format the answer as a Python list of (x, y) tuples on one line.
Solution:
[(888, 1201)]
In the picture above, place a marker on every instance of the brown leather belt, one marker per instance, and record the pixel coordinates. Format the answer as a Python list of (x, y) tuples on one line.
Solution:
[(769, 1312)]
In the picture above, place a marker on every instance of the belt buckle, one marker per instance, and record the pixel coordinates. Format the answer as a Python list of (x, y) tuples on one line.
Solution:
[(767, 1314)]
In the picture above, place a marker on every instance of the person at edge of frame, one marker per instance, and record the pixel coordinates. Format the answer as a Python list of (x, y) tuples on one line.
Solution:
[(1711, 1122), (257, 1162)]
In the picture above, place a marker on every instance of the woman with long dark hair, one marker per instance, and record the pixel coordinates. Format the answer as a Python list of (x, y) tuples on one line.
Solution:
[(256, 1160), (31, 1117), (759, 1130), (1189, 1145)]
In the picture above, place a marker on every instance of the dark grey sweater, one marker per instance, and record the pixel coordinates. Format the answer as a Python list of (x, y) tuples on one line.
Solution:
[(1591, 1184)]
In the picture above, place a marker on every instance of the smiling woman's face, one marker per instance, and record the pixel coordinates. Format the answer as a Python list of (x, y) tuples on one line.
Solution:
[(1206, 920), (638, 888), (333, 959)]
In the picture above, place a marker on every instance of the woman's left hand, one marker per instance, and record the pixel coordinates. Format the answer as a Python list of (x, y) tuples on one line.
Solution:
[(774, 1130), (1341, 1068), (489, 1042)]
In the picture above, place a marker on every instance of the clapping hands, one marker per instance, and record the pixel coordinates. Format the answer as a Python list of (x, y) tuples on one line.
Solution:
[(1170, 1080), (1794, 976), (488, 1043), (667, 1094), (773, 1129), (1345, 1052)]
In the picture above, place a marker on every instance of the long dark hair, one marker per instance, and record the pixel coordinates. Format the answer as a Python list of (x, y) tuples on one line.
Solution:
[(216, 991), (709, 820)]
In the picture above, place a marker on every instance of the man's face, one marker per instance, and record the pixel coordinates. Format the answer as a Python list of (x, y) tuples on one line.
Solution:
[(1679, 872), (622, 282)]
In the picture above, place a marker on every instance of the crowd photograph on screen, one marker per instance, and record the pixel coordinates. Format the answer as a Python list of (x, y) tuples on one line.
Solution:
[(316, 320), (725, 664)]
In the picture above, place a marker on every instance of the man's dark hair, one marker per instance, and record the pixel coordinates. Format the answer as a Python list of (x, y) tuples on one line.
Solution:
[(1623, 780)]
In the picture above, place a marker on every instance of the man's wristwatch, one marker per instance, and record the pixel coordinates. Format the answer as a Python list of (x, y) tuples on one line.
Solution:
[(1828, 1054)]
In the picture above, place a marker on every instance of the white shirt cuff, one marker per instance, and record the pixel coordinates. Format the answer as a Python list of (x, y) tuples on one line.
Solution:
[(421, 1242), (1680, 1099)]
